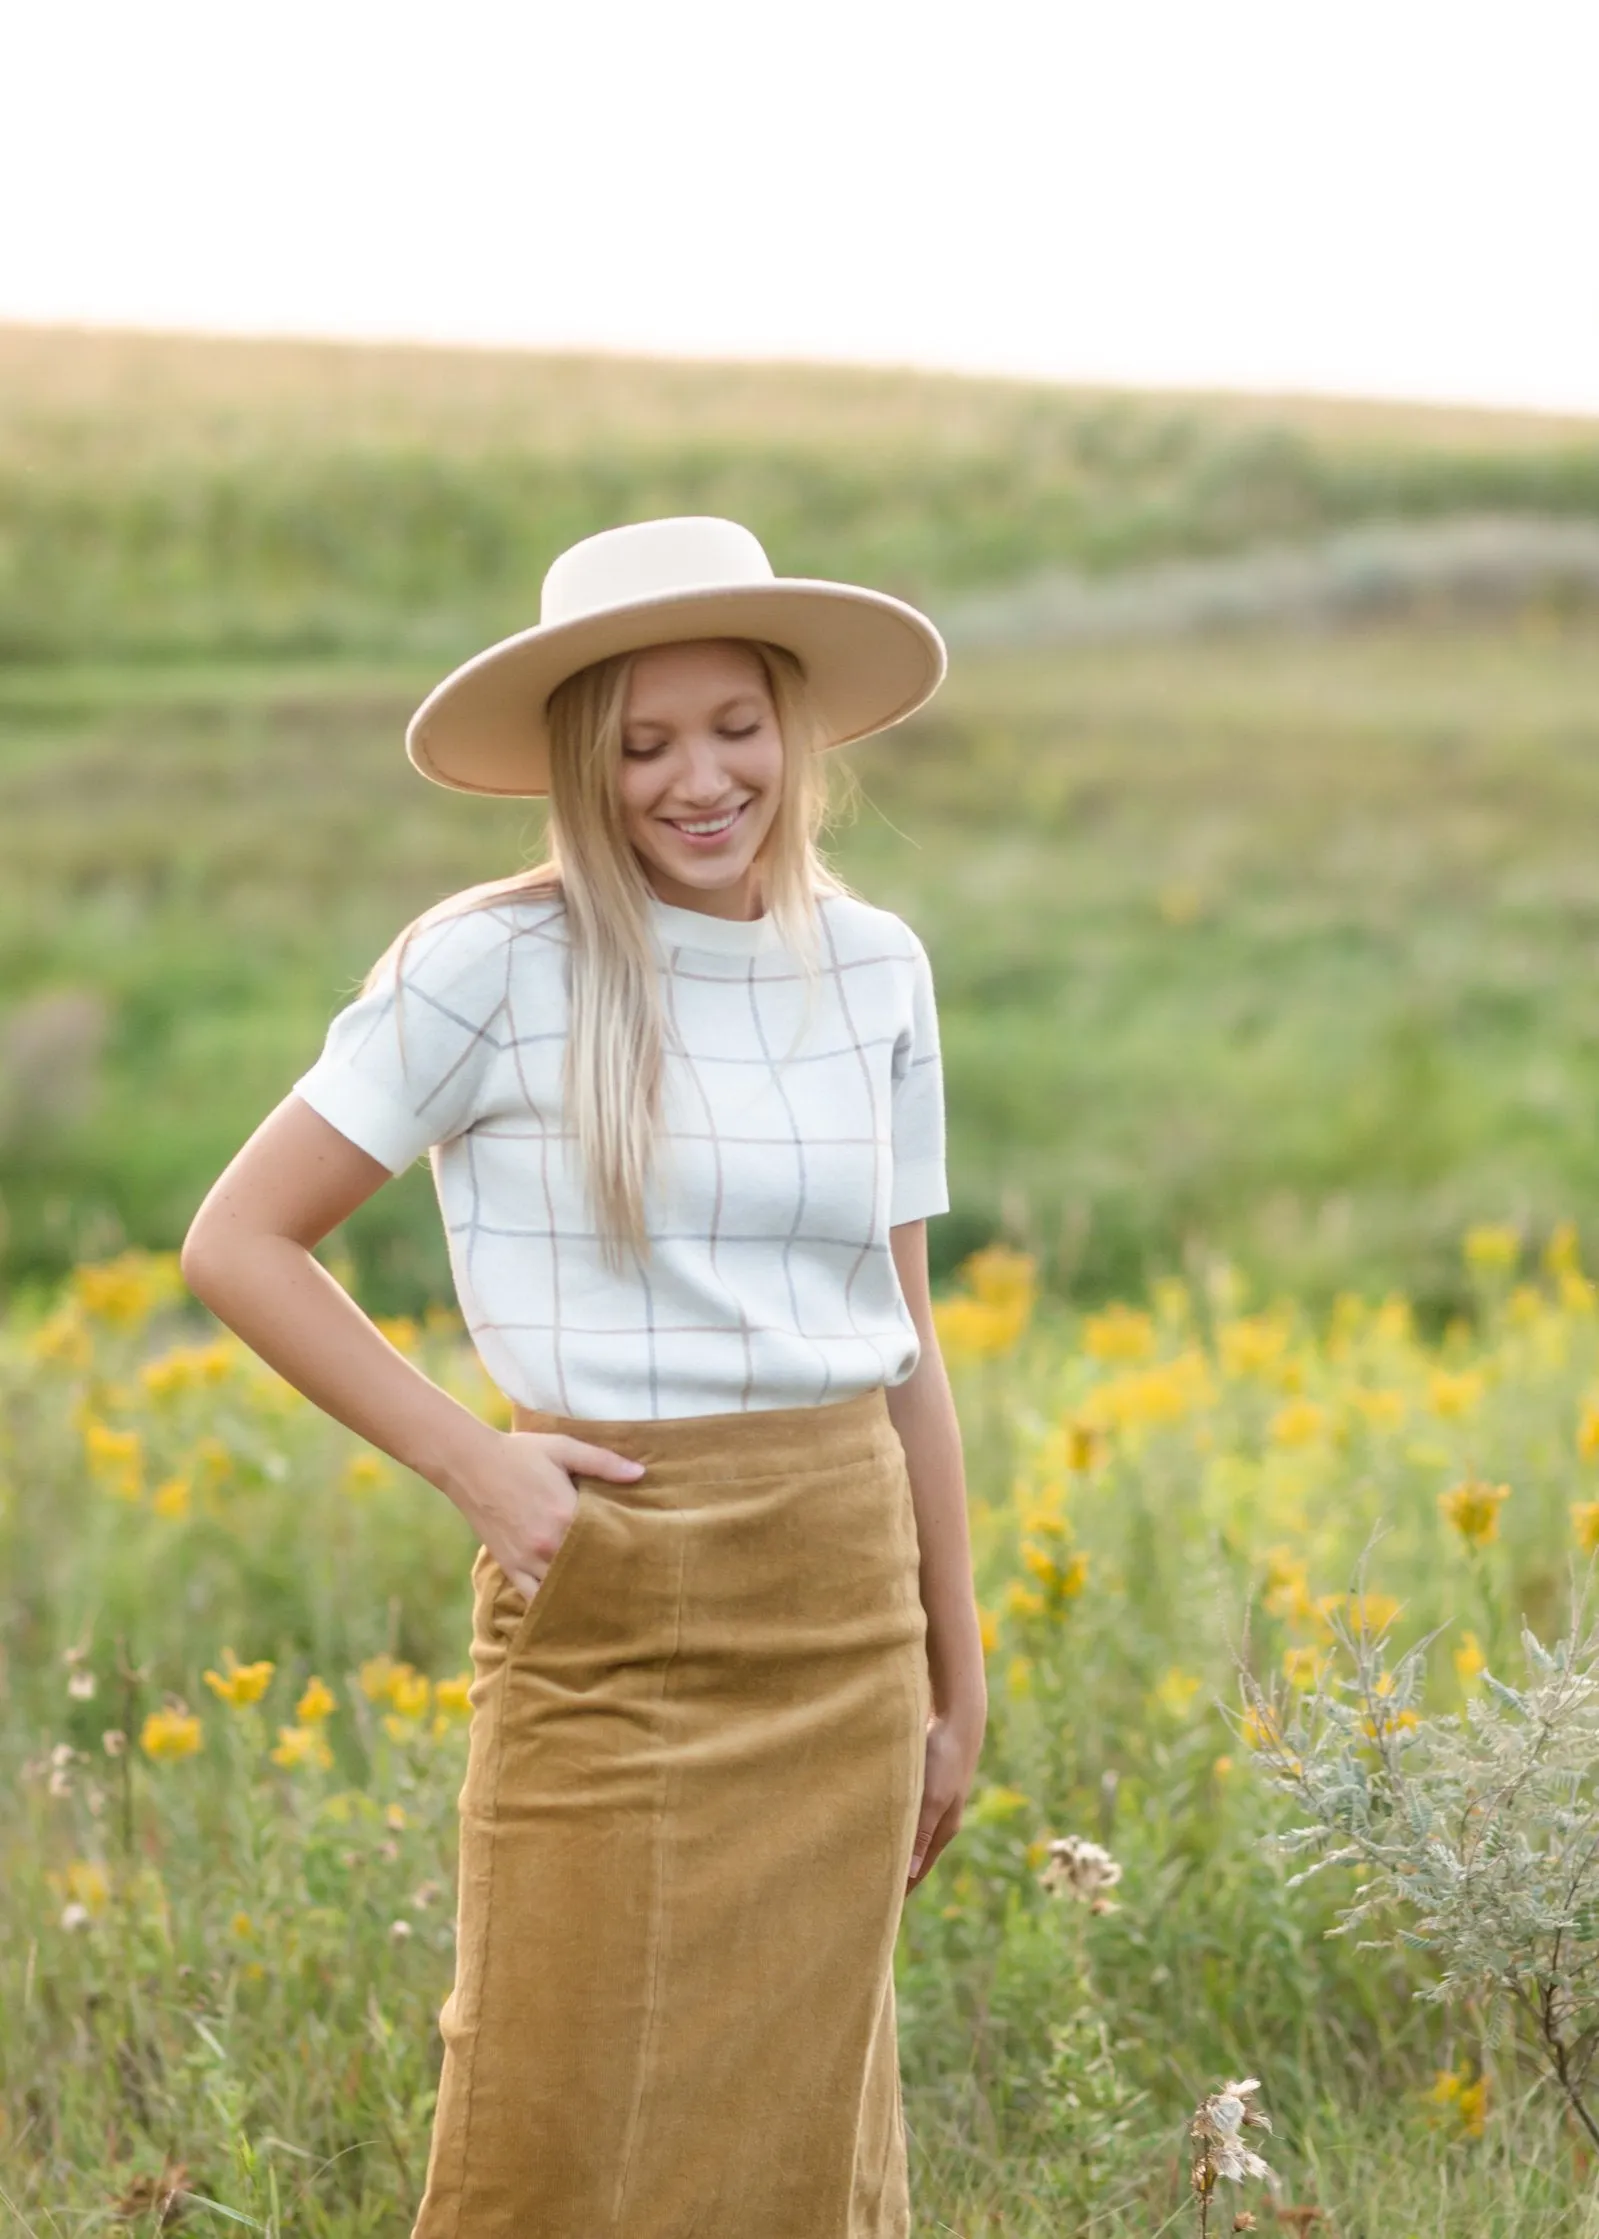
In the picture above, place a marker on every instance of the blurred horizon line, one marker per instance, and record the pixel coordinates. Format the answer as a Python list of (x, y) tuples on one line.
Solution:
[(1085, 384)]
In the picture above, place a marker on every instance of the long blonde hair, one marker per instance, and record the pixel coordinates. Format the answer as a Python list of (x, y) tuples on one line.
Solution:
[(613, 1074)]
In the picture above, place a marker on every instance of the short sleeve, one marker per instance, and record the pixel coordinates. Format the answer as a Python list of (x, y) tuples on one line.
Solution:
[(396, 1079), (920, 1185)]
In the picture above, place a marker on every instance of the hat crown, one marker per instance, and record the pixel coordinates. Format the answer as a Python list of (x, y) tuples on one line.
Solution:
[(650, 559)]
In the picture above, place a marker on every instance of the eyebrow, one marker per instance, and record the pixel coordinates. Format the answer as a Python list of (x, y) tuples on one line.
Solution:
[(659, 721)]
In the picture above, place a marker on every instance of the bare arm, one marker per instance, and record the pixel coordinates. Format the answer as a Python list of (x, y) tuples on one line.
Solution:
[(923, 1413), (248, 1256), (922, 1410)]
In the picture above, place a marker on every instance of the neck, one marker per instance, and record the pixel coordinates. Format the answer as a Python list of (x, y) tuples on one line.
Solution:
[(740, 901)]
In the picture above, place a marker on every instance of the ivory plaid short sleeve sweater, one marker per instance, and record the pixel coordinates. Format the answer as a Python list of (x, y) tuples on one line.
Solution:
[(770, 1282)]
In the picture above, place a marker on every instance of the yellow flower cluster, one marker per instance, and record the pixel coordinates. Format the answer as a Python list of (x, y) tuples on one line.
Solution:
[(1472, 1507), (240, 1684), (172, 1732), (996, 1308)]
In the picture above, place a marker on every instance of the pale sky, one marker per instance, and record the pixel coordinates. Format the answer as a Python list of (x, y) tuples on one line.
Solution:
[(1379, 197)]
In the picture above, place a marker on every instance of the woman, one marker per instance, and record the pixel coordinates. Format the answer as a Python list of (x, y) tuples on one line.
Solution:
[(681, 1094)]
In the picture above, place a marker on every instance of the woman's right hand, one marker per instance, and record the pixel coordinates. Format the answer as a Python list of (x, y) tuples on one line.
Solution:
[(519, 1497)]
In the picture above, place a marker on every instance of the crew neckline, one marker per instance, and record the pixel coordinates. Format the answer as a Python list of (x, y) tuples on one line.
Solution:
[(719, 936)]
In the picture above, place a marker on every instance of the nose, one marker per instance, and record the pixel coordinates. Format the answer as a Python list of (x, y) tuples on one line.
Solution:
[(702, 779)]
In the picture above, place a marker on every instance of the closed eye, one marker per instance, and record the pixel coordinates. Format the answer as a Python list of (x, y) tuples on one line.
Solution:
[(647, 753)]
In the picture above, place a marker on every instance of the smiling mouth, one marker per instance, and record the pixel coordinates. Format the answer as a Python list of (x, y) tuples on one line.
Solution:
[(705, 827)]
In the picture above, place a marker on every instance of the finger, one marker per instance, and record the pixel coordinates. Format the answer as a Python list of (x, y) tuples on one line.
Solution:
[(576, 1454), (932, 1838)]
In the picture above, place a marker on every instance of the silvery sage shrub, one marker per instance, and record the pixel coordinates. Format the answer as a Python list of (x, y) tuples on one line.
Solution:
[(1476, 1833)]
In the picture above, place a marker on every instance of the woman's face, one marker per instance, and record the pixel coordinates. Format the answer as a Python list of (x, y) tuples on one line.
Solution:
[(700, 745)]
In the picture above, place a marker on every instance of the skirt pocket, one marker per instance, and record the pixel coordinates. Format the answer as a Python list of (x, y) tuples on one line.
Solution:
[(516, 1617)]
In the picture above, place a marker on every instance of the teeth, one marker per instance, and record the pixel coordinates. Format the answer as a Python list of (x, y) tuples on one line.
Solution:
[(718, 824)]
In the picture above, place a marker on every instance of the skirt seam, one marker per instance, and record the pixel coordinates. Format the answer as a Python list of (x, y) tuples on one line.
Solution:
[(662, 1818), (491, 1838)]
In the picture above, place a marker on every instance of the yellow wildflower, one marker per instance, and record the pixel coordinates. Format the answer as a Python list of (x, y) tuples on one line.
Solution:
[(302, 1745), (401, 1331), (988, 1629), (453, 1694), (210, 1462), (1086, 1443), (1163, 1394), (1577, 1294), (1469, 1659), (1002, 1277), (1019, 1677), (1174, 1692), (394, 1817), (364, 1471), (1300, 1423), (242, 1683), (991, 1807), (1468, 2100), (170, 1733), (316, 1703), (171, 1498), (126, 1290), (1251, 1346), (1386, 1720), (61, 1337), (1588, 1430), (1561, 1252), (1286, 1593), (1383, 1410), (379, 1675), (1394, 1321), (1021, 1600), (968, 1329), (116, 1458), (1119, 1333), (173, 1372), (1524, 1305), (1303, 1667), (408, 1692), (1585, 1524), (1492, 1246), (85, 1884), (1454, 1393), (242, 1926), (1473, 1508), (1369, 1613)]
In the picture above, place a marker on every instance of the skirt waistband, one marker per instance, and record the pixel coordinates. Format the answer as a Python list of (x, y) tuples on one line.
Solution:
[(758, 1441)]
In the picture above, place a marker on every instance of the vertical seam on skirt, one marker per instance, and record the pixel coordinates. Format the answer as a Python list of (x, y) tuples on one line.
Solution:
[(662, 1819), (490, 1809)]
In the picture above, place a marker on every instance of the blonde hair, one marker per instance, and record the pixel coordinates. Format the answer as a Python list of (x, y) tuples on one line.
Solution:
[(613, 1074)]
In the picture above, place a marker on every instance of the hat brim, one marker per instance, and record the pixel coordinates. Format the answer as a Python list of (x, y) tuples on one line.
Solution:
[(870, 660)]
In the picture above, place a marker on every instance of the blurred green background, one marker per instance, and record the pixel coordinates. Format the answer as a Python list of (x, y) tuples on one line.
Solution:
[(1251, 837)]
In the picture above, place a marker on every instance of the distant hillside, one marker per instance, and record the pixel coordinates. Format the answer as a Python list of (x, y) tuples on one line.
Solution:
[(185, 497)]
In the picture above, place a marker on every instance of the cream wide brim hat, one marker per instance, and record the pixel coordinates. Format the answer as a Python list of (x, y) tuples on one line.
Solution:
[(870, 659)]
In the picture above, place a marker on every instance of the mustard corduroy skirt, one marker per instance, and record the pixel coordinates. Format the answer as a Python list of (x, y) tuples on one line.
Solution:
[(694, 1774)]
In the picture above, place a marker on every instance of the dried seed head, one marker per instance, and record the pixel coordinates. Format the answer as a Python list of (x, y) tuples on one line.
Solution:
[(1081, 1869)]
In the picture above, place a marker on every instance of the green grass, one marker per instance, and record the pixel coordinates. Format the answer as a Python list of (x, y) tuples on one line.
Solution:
[(1275, 945), (169, 497), (239, 2001)]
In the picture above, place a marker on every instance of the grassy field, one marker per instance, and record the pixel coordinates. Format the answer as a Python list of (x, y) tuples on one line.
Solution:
[(1266, 972), (1282, 945), (166, 497), (229, 1925)]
